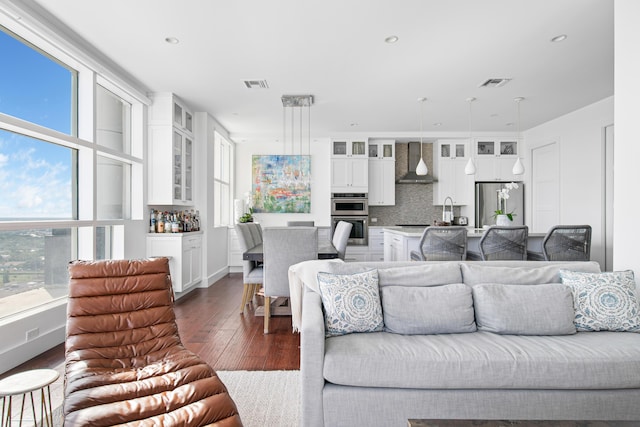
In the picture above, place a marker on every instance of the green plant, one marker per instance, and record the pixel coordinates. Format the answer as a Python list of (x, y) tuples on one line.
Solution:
[(247, 217)]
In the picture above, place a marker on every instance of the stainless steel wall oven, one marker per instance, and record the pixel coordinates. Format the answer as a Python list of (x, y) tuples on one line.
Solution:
[(352, 208), (359, 232)]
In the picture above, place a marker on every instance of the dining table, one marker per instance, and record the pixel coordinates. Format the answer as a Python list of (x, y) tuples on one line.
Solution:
[(326, 250)]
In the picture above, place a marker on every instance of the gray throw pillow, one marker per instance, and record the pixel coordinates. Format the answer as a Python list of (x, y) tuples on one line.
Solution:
[(443, 309), (545, 309), (604, 301), (351, 302)]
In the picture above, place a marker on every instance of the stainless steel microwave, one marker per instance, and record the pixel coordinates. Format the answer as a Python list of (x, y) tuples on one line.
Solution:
[(349, 204)]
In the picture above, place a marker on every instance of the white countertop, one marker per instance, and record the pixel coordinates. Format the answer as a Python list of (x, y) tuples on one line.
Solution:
[(417, 231)]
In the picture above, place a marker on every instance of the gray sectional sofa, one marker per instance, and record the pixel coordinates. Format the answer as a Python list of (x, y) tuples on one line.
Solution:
[(494, 348)]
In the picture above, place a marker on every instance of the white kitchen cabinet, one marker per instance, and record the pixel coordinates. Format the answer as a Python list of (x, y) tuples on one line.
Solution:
[(170, 152), (184, 251), (356, 253), (349, 175), (349, 148), (382, 149), (235, 252), (451, 159), (376, 244), (495, 159), (398, 247), (382, 182)]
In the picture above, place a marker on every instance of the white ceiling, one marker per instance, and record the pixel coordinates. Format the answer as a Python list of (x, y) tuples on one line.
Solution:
[(335, 50)]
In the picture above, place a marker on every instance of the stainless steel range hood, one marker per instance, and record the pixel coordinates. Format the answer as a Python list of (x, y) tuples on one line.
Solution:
[(411, 177)]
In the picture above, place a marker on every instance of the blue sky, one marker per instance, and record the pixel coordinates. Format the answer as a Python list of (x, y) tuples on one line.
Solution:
[(35, 177)]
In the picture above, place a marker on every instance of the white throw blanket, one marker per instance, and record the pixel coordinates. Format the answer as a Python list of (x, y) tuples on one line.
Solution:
[(300, 275)]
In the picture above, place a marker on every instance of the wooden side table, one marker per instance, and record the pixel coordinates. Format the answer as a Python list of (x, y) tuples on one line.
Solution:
[(28, 382)]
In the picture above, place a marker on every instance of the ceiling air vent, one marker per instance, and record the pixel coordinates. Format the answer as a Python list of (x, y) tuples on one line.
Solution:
[(494, 82), (256, 84)]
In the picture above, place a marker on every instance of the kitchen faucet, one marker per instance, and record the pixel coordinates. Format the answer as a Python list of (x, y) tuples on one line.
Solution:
[(444, 205)]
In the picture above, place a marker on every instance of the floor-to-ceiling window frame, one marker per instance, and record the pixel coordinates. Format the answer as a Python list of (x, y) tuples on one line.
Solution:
[(71, 191)]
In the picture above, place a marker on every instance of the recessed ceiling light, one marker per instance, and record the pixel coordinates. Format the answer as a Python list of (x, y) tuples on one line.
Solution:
[(354, 124), (493, 115), (438, 124), (509, 124), (172, 40), (391, 39), (559, 38)]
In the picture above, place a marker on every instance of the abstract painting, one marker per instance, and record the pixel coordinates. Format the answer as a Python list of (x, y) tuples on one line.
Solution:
[(281, 184)]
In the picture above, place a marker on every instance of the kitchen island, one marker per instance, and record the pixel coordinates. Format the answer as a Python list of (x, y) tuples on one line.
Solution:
[(400, 241)]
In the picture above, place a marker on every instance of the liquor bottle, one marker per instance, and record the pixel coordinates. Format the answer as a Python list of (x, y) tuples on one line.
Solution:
[(152, 221), (175, 227), (167, 222), (160, 223)]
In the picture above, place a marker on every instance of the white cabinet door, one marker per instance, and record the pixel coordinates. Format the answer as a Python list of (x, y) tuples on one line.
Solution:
[(382, 186), (349, 175), (185, 257), (192, 260)]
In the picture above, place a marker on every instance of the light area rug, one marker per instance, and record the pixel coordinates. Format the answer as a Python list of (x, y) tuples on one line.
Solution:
[(265, 398)]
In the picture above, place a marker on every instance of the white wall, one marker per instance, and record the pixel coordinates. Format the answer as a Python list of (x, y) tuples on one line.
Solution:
[(580, 137), (214, 245), (320, 180), (626, 173)]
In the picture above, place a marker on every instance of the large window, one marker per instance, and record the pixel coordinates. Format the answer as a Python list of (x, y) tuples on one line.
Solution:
[(35, 87), (66, 179), (222, 181), (37, 179)]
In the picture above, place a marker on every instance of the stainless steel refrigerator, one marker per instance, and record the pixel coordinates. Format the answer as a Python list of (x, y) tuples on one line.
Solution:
[(487, 202)]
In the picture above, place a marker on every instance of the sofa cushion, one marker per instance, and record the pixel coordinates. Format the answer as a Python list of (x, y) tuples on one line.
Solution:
[(545, 309), (428, 309), (518, 274), (421, 274), (604, 301), (484, 360), (351, 302)]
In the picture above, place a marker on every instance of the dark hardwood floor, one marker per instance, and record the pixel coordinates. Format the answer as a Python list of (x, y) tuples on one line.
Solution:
[(211, 325)]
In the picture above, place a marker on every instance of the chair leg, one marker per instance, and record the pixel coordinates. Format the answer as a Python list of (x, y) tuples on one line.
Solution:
[(245, 292), (254, 291), (267, 313)]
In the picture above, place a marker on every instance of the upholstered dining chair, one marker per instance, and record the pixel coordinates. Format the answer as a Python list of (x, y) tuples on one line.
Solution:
[(301, 223), (442, 244), (502, 243), (341, 237), (565, 243), (283, 247), (249, 235)]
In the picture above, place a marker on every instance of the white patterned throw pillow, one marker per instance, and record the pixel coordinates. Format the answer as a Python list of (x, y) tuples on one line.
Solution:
[(604, 301), (351, 302)]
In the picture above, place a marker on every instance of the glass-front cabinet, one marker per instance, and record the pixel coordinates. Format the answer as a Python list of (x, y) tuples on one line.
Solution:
[(382, 149), (349, 148), (453, 150), (170, 151), (494, 159)]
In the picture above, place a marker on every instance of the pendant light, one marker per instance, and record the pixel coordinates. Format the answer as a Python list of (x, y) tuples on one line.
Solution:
[(421, 169), (518, 167), (470, 168)]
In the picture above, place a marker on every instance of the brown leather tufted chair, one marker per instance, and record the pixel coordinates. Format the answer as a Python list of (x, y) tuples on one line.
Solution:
[(124, 358)]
